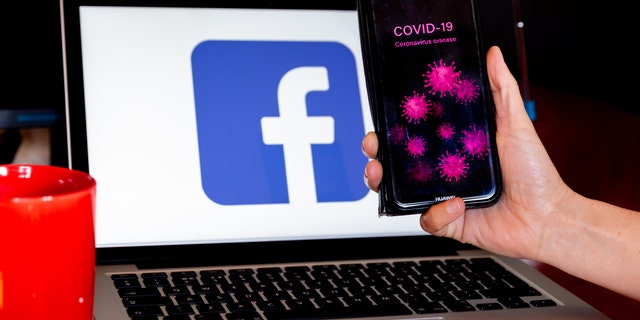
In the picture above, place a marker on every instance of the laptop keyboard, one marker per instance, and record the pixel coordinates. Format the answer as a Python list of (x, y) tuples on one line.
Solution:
[(326, 290)]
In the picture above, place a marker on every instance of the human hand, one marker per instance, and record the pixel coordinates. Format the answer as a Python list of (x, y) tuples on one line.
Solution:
[(532, 187)]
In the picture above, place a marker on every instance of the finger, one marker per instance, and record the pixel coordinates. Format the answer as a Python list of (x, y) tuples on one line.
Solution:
[(373, 175), (438, 220), (370, 145)]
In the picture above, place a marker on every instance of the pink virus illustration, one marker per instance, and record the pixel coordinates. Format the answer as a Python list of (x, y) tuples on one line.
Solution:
[(475, 142), (437, 109), (446, 131), (416, 146), (420, 172), (415, 108), (441, 78), (466, 91), (452, 166), (397, 134)]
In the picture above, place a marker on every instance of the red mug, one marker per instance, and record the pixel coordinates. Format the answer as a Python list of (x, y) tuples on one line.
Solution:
[(47, 243)]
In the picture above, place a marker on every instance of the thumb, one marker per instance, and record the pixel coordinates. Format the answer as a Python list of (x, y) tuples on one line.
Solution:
[(442, 219), (505, 90)]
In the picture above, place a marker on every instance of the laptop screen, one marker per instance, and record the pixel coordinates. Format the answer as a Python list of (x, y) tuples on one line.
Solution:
[(220, 125)]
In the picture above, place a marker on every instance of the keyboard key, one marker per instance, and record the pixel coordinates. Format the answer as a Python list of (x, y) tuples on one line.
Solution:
[(244, 316), (207, 317), (204, 289), (208, 308), (513, 302), (426, 307), (179, 310), (138, 292), (146, 301), (189, 299), (176, 291), (124, 276), (144, 311), (218, 297), (213, 277), (177, 317), (156, 282), (489, 306), (459, 305), (343, 312), (270, 305), (235, 307), (127, 283), (543, 303)]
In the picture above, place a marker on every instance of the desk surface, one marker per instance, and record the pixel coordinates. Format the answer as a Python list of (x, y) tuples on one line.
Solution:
[(573, 129)]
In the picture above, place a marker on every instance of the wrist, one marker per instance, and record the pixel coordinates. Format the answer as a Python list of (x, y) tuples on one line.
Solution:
[(561, 228)]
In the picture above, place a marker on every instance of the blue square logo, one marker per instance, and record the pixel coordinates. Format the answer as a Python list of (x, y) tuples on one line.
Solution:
[(278, 122)]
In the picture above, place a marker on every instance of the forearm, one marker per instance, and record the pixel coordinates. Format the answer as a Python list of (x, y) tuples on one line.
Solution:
[(597, 242)]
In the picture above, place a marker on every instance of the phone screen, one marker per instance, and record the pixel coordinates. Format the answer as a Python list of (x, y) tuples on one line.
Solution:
[(430, 101)]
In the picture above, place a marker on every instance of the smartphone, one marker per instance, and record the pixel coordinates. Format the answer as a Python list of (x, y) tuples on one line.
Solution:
[(430, 102)]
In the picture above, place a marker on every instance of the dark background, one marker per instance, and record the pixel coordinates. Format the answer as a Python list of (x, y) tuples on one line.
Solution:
[(575, 46), (584, 47)]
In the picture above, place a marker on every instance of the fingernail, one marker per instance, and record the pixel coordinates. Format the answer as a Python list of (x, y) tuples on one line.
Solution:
[(452, 206)]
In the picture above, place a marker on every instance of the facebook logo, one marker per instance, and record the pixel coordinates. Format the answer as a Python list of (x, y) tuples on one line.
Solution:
[(278, 122)]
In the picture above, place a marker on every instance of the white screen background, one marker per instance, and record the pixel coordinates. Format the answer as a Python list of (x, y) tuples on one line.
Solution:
[(142, 137)]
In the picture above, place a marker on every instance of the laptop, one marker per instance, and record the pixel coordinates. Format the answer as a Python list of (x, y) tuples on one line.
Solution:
[(225, 139)]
